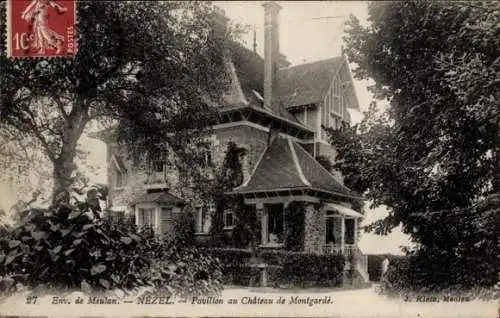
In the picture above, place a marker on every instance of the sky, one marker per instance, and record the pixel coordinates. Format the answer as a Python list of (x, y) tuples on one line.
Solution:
[(309, 31)]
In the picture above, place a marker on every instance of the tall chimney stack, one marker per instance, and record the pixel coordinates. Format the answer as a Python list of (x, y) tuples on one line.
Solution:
[(271, 54)]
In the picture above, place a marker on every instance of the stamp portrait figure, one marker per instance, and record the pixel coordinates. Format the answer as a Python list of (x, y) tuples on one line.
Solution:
[(43, 37)]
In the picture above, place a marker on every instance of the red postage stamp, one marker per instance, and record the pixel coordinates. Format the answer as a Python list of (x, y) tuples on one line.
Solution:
[(41, 28)]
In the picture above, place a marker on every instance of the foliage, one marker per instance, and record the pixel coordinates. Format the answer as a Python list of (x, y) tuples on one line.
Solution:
[(295, 221), (304, 269), (230, 257), (468, 250), (234, 264), (433, 149), (432, 156), (246, 233), (67, 248), (408, 276), (185, 227), (185, 272), (375, 264), (166, 57), (284, 267), (229, 176)]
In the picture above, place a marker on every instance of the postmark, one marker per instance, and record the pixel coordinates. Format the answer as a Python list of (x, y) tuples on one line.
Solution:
[(41, 28)]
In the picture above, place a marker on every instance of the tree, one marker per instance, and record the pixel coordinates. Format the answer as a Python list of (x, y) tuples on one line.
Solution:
[(433, 149), (152, 67), (228, 176), (432, 157)]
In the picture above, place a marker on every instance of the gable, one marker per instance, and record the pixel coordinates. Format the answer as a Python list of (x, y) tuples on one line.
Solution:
[(309, 83)]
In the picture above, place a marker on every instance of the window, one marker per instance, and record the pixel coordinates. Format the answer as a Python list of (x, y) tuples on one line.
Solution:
[(333, 228), (275, 224), (206, 159), (228, 219), (120, 171), (350, 230), (158, 165), (121, 179), (204, 219), (147, 217), (116, 216)]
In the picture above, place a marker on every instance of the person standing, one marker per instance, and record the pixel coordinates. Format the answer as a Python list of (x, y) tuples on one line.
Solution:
[(385, 268)]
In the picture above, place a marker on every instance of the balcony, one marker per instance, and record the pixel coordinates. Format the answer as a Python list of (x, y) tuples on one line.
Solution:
[(337, 249)]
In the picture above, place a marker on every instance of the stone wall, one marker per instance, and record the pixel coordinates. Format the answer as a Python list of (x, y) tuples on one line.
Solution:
[(136, 178), (314, 227), (254, 140)]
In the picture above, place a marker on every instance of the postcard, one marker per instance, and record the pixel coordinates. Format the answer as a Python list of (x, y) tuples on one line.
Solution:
[(249, 158)]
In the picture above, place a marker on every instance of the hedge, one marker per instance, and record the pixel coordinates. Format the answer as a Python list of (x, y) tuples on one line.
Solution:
[(285, 267), (375, 264)]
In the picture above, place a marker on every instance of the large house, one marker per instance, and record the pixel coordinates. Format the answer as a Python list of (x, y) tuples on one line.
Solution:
[(277, 115)]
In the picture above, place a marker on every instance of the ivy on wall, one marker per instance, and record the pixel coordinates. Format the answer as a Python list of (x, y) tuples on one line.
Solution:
[(295, 217), (229, 176)]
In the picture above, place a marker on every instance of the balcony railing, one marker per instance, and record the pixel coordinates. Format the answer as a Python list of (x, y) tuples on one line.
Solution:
[(347, 250)]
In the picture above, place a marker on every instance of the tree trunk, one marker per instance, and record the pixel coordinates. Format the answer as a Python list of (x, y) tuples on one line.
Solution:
[(64, 164), (63, 178)]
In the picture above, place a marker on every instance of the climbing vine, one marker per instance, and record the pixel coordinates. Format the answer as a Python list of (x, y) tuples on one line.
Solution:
[(295, 216), (228, 176)]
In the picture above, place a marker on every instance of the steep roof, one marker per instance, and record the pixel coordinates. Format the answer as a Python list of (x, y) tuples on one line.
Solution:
[(285, 165), (307, 83), (317, 175), (249, 69), (297, 85)]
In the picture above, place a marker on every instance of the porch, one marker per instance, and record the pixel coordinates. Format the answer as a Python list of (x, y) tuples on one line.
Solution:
[(325, 228), (300, 206)]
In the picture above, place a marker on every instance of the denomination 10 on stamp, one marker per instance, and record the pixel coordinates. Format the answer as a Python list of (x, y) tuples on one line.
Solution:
[(41, 28)]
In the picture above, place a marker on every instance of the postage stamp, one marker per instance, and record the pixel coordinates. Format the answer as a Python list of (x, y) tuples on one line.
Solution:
[(178, 166), (41, 28)]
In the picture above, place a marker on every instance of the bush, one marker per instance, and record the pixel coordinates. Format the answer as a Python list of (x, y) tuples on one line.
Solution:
[(185, 272), (233, 264), (285, 267), (63, 248), (461, 252), (307, 270), (185, 227), (375, 264), (414, 275), (232, 257)]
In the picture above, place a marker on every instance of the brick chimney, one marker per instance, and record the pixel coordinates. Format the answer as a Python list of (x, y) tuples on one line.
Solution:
[(271, 54)]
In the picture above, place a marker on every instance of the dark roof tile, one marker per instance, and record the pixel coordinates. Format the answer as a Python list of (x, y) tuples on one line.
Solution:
[(275, 170), (279, 170), (307, 83), (317, 175)]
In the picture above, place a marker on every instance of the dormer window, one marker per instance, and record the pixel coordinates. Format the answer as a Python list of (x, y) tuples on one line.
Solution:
[(121, 179)]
